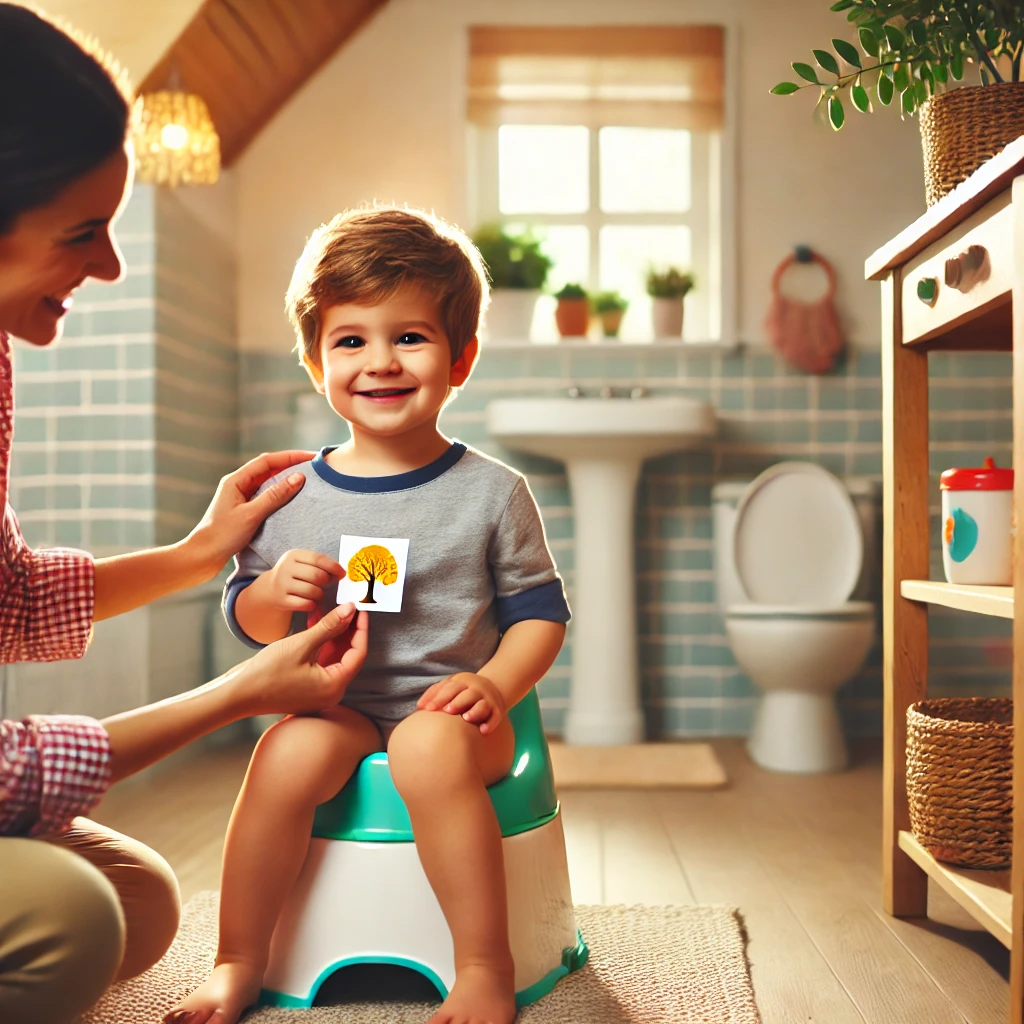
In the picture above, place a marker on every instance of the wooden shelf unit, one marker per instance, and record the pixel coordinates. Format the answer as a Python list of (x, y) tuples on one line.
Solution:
[(983, 313)]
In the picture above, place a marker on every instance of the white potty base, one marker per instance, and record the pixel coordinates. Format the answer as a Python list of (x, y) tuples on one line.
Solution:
[(798, 732), (358, 902)]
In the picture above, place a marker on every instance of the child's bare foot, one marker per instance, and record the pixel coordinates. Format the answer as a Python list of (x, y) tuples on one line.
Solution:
[(226, 993), (480, 995)]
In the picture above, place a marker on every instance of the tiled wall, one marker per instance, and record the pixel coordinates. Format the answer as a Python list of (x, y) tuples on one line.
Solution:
[(767, 412), (123, 430)]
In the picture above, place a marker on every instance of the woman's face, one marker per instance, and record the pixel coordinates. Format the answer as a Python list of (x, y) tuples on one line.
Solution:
[(53, 249)]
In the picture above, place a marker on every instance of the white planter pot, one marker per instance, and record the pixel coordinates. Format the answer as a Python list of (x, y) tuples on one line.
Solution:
[(510, 313), (667, 317)]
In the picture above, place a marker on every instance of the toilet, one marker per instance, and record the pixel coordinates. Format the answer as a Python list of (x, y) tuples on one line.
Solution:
[(795, 566)]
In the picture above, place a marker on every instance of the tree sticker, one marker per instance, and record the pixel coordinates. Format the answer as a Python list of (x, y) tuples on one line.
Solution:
[(373, 564)]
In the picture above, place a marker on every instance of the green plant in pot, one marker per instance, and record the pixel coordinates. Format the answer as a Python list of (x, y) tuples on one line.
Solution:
[(911, 55), (572, 314), (668, 288), (610, 307), (518, 270)]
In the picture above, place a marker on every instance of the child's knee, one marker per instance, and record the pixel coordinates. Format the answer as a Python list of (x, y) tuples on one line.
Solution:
[(429, 748)]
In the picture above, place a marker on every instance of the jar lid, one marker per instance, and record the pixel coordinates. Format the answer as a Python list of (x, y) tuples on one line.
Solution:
[(988, 478)]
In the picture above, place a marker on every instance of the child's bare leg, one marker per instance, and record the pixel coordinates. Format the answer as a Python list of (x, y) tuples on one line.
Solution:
[(441, 766), (298, 763)]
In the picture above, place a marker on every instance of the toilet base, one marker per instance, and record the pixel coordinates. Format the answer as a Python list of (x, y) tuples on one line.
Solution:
[(798, 732)]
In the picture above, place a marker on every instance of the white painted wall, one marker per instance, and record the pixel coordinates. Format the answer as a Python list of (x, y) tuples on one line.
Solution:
[(384, 120)]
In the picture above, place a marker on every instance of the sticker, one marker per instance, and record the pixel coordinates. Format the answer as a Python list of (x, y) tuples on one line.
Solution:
[(374, 572), (961, 534)]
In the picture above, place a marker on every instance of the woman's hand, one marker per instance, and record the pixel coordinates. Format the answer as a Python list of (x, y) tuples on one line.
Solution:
[(473, 697), (309, 671), (234, 515)]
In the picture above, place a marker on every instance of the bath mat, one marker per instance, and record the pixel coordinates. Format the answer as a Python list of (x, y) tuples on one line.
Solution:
[(648, 965), (640, 766)]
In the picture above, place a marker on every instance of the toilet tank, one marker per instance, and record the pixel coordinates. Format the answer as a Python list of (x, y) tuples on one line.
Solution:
[(866, 494)]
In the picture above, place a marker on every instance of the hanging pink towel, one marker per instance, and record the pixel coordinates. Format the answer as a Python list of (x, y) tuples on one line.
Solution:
[(805, 334)]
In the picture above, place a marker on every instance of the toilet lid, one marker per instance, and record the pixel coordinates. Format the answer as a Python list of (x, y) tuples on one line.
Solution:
[(797, 538)]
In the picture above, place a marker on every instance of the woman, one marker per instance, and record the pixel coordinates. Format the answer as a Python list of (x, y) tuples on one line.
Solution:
[(81, 905)]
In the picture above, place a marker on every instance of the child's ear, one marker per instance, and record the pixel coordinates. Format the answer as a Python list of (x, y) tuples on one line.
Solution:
[(463, 366), (316, 375)]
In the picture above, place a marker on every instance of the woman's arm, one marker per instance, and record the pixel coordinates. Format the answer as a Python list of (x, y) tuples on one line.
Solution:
[(130, 581)]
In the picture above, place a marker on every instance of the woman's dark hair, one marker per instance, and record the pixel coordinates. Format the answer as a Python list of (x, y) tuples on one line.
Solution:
[(63, 111)]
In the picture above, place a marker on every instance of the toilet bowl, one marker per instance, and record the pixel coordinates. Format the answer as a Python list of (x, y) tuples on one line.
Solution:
[(794, 560)]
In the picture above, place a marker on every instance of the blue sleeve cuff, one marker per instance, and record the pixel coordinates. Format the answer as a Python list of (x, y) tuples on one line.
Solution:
[(545, 602), (231, 592)]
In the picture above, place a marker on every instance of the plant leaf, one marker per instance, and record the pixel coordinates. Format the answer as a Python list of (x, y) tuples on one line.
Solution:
[(835, 112), (916, 30), (869, 41), (859, 95), (841, 5), (826, 60), (940, 72), (894, 37), (909, 101), (784, 88), (956, 66), (847, 51), (900, 78), (920, 91), (885, 90), (806, 71)]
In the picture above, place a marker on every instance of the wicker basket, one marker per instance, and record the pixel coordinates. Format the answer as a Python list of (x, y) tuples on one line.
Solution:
[(963, 128), (960, 779)]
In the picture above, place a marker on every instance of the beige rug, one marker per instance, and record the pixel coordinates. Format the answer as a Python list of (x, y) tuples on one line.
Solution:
[(641, 766), (648, 965)]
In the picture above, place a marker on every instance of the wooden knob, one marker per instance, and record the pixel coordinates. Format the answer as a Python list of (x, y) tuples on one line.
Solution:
[(960, 269)]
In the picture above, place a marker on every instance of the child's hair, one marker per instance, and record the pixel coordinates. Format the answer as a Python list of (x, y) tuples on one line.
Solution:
[(366, 255)]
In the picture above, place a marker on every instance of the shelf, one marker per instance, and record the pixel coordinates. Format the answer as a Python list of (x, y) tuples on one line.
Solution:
[(985, 895), (983, 600)]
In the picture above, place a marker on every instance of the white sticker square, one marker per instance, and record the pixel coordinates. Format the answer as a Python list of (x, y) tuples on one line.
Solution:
[(374, 572)]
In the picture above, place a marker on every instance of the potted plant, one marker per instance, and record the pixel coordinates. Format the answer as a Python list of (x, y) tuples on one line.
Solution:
[(910, 54), (610, 307), (518, 270), (668, 288), (572, 314)]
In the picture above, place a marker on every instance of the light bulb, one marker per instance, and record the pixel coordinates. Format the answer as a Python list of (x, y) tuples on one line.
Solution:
[(174, 136)]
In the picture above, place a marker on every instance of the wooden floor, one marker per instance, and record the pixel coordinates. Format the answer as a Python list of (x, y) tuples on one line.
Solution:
[(798, 855)]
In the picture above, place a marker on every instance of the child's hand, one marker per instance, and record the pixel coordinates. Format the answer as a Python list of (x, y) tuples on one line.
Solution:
[(473, 697), (296, 583)]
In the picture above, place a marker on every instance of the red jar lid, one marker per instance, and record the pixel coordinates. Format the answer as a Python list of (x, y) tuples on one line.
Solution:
[(988, 478)]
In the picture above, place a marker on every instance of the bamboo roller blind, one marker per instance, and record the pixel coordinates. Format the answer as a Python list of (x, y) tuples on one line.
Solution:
[(666, 76)]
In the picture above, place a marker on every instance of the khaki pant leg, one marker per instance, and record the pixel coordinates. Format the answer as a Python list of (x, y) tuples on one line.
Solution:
[(145, 885), (61, 933)]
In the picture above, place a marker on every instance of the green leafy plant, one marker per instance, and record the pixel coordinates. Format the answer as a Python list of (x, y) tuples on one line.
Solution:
[(513, 261), (910, 50), (672, 283), (571, 291), (608, 302)]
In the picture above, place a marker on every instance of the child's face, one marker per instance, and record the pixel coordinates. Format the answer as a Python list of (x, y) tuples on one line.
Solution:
[(387, 369)]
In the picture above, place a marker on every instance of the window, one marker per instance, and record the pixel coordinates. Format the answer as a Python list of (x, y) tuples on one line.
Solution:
[(612, 156)]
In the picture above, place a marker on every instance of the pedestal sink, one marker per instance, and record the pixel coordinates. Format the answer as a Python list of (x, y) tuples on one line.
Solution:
[(603, 443)]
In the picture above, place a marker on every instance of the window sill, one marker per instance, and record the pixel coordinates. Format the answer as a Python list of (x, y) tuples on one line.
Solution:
[(611, 345)]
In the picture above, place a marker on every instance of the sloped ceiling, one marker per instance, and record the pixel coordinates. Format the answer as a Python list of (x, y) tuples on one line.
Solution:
[(246, 58)]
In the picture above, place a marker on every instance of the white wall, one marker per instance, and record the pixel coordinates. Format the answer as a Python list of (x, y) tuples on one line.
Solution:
[(384, 120)]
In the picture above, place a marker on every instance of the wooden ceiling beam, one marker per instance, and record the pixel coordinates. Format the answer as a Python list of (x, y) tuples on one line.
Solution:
[(247, 58)]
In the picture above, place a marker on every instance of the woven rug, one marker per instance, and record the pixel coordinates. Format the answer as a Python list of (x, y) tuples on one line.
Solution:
[(638, 766), (648, 965)]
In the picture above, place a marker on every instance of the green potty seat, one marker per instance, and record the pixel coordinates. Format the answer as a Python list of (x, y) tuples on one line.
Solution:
[(369, 808)]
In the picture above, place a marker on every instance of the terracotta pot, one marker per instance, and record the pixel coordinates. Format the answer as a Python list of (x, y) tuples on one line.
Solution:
[(963, 128), (667, 318), (611, 321), (572, 317)]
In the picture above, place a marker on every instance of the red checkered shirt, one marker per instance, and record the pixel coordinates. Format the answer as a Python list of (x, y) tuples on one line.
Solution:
[(51, 768)]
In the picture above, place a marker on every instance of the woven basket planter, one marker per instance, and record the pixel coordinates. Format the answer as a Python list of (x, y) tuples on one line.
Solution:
[(960, 779), (963, 128)]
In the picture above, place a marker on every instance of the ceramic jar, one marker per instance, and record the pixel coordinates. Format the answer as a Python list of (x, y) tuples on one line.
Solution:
[(977, 525)]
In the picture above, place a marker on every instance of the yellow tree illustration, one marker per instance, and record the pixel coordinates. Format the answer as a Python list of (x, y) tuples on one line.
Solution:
[(374, 564)]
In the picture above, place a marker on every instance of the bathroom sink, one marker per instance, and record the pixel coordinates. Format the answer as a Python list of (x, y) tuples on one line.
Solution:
[(603, 428), (603, 443)]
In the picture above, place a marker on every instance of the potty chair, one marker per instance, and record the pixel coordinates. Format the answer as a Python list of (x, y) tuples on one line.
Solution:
[(790, 561), (362, 896)]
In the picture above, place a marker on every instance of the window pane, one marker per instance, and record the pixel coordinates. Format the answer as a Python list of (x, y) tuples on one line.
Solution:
[(644, 170), (626, 253), (543, 168)]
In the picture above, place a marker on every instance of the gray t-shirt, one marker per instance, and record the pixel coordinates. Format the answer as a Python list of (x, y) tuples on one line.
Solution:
[(478, 563)]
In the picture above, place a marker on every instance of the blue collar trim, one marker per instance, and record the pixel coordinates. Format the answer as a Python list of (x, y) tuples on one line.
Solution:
[(383, 484)]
